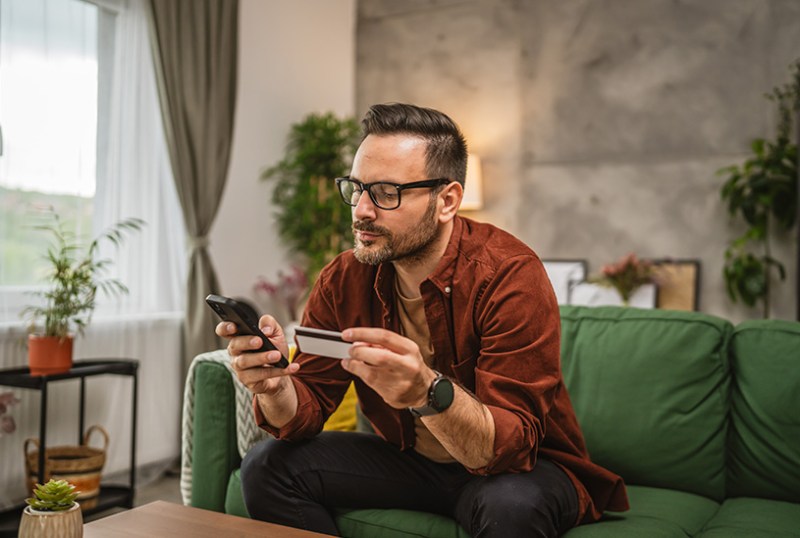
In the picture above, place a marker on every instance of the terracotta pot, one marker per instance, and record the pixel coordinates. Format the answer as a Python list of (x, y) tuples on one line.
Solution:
[(49, 354), (64, 524)]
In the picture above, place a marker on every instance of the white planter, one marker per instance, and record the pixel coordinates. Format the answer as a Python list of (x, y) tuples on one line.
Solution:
[(39, 524)]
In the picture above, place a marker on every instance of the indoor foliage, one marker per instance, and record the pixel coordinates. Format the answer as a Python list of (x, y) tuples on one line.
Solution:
[(74, 277), (289, 290), (54, 496), (626, 276), (7, 424), (763, 191), (311, 216)]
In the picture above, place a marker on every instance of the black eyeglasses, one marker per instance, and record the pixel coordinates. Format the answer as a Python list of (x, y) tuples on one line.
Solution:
[(383, 194)]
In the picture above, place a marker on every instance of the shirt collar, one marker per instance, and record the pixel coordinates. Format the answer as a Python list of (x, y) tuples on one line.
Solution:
[(442, 276)]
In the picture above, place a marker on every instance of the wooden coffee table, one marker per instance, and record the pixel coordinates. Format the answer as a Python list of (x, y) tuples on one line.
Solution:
[(168, 519)]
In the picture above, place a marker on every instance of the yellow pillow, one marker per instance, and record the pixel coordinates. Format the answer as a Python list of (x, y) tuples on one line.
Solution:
[(344, 418)]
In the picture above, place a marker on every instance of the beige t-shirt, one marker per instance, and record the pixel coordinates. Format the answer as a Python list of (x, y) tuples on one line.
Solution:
[(413, 325)]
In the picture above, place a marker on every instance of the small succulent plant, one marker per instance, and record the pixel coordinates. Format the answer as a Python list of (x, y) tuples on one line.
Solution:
[(54, 496)]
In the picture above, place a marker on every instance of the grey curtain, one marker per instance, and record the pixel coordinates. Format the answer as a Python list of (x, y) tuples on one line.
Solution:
[(195, 53)]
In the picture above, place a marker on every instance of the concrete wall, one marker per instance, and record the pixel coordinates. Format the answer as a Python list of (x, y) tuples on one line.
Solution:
[(294, 58), (600, 123)]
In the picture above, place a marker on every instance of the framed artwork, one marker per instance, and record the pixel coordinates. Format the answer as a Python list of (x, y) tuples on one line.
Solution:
[(678, 283), (590, 294), (564, 276)]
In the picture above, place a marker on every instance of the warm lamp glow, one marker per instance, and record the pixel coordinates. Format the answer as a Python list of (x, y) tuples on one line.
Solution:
[(473, 187)]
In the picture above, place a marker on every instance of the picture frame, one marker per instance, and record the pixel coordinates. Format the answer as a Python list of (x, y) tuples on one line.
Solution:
[(678, 283), (564, 275)]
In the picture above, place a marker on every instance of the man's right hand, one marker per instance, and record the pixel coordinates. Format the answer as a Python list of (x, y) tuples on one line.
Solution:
[(255, 370)]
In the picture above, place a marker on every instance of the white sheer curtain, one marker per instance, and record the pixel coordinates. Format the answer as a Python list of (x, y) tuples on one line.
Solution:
[(133, 180)]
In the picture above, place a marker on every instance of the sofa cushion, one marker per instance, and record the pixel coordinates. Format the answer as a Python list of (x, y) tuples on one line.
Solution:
[(344, 418), (650, 389), (654, 512), (745, 517), (396, 524), (765, 411), (234, 502)]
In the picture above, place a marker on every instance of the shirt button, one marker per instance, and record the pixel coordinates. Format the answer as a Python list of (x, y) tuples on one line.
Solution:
[(447, 289)]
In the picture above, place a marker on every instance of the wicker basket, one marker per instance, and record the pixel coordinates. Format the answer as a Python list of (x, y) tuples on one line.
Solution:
[(81, 466)]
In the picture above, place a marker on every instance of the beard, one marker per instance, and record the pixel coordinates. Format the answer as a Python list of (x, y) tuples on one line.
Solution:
[(409, 247)]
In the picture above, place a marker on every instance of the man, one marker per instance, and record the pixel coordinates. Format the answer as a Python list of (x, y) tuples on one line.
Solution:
[(456, 362)]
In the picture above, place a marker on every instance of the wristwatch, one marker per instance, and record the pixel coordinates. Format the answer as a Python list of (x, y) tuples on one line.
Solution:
[(440, 396)]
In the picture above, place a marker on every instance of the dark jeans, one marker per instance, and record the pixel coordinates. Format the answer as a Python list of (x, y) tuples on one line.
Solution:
[(299, 483)]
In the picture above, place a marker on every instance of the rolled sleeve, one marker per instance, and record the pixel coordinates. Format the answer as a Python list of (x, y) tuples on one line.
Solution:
[(513, 450)]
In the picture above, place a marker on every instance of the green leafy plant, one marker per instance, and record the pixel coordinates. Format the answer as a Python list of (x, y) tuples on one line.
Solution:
[(311, 217), (54, 496), (763, 192), (75, 276)]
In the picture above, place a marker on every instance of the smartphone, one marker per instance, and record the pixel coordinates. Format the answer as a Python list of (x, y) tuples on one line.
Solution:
[(322, 342), (246, 323)]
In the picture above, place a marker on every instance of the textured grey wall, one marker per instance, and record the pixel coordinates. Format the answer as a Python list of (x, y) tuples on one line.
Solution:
[(600, 123)]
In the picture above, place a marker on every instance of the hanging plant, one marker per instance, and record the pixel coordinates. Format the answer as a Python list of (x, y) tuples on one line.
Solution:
[(763, 192)]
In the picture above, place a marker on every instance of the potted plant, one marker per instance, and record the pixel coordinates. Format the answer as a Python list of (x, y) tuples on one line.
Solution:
[(52, 511), (625, 276), (311, 216), (763, 191), (67, 304)]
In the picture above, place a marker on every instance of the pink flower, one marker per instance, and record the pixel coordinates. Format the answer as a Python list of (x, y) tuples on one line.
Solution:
[(7, 400), (626, 275), (7, 424), (288, 290)]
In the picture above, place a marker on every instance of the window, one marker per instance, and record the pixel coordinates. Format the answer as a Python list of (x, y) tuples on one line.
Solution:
[(48, 115), (81, 132)]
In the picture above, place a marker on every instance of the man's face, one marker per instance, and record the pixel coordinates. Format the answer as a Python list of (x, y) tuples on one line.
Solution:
[(405, 234)]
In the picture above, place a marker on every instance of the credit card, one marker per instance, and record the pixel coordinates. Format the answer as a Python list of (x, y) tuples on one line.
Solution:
[(322, 342)]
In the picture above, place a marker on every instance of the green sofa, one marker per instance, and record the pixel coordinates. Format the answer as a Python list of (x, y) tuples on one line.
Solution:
[(701, 419)]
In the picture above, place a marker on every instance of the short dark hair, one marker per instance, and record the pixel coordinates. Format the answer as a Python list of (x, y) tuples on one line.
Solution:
[(446, 147)]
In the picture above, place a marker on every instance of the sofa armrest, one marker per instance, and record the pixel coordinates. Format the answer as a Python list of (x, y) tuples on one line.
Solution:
[(214, 452)]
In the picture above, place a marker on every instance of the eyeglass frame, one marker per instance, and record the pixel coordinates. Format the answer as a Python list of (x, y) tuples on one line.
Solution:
[(399, 186)]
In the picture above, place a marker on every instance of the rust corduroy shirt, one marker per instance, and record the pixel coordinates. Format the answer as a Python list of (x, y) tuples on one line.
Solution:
[(495, 329)]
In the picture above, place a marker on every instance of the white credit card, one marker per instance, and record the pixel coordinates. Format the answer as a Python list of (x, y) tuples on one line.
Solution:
[(322, 342)]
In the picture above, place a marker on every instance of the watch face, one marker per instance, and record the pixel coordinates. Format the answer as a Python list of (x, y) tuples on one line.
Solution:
[(442, 394)]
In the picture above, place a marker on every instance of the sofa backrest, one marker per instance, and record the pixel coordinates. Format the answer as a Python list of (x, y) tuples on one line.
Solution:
[(764, 458), (650, 389)]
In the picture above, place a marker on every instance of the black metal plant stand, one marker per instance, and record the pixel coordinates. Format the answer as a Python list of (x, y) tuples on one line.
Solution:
[(110, 496)]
